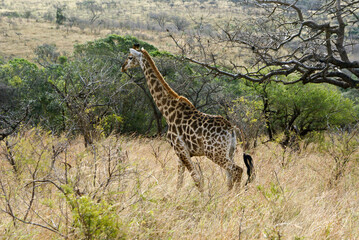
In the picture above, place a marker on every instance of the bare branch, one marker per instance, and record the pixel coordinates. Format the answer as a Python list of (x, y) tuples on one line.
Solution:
[(283, 39)]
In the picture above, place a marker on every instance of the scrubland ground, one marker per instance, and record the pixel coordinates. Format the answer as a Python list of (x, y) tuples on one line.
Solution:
[(129, 184)]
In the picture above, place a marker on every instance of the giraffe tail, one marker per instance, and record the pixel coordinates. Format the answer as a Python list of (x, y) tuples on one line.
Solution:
[(248, 161)]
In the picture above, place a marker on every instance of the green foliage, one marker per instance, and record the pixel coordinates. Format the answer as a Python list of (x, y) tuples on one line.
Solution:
[(353, 95), (60, 17), (63, 59), (85, 91), (131, 104), (46, 54), (89, 94), (304, 108), (18, 67), (272, 193), (30, 90), (157, 53), (111, 45), (87, 87), (110, 123), (94, 219), (317, 105), (27, 14), (11, 14), (31, 152), (247, 113)]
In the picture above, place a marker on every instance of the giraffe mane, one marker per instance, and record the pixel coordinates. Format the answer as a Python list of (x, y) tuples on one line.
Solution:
[(162, 80)]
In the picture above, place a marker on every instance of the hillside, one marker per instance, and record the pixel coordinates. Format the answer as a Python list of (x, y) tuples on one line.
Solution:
[(28, 24)]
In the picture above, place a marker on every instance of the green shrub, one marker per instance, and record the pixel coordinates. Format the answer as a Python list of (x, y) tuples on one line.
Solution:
[(94, 219)]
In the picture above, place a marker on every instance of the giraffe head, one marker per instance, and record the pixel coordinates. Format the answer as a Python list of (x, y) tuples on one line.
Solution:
[(134, 59)]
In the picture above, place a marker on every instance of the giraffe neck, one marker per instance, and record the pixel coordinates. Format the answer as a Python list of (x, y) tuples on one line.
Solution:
[(164, 96)]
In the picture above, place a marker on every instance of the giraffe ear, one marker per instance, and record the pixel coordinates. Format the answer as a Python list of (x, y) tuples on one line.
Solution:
[(136, 46)]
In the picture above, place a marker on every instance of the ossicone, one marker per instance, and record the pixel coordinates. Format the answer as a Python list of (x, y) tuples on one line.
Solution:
[(136, 46)]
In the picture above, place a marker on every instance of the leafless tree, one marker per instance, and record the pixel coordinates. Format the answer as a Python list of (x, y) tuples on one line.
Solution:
[(93, 8), (180, 22), (285, 41), (161, 18)]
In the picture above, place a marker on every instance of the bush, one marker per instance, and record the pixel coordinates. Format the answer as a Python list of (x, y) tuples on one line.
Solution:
[(342, 144), (111, 45), (60, 17), (11, 14), (300, 109), (46, 54), (94, 220)]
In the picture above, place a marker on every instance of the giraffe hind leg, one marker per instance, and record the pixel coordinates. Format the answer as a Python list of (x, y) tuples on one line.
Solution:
[(237, 172), (233, 172), (234, 175), (229, 180)]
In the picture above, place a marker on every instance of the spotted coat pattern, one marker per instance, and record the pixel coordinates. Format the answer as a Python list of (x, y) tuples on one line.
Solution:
[(190, 132)]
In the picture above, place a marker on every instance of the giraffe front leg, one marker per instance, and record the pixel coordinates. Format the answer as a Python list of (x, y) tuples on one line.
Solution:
[(185, 158), (196, 176), (181, 169)]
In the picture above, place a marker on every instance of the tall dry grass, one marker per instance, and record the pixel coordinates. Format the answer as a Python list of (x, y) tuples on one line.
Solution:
[(291, 198)]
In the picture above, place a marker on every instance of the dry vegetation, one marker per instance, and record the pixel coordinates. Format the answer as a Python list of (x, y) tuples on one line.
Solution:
[(130, 182), (292, 196), (21, 37)]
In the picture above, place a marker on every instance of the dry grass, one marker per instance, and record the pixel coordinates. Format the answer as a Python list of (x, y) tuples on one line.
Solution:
[(293, 201), (22, 36)]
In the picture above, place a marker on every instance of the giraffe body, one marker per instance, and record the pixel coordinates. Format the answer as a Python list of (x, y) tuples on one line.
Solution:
[(190, 132)]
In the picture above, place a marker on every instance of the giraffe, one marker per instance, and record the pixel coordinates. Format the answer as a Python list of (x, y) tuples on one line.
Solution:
[(190, 132)]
